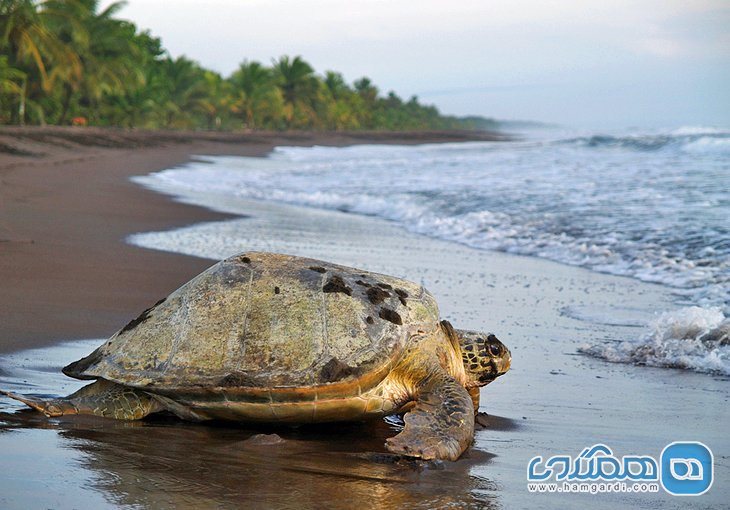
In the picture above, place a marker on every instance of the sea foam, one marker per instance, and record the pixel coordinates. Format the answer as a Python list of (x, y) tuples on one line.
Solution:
[(692, 338)]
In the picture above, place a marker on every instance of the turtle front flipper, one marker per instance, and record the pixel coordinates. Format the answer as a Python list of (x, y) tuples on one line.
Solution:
[(440, 425), (101, 398)]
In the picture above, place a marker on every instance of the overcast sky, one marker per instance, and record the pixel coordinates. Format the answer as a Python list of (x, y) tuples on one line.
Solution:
[(586, 63)]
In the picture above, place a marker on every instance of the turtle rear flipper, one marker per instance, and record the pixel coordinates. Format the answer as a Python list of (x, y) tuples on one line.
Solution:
[(440, 425), (101, 398)]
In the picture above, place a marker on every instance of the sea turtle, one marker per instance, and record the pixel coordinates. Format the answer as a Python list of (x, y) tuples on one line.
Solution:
[(264, 337)]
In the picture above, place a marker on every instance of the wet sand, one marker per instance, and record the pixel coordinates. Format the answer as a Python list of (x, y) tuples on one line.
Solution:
[(553, 401)]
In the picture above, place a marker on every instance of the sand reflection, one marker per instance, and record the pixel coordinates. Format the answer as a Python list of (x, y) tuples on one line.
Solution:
[(166, 463)]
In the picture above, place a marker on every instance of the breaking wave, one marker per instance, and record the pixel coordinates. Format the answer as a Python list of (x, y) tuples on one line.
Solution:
[(698, 140), (692, 338)]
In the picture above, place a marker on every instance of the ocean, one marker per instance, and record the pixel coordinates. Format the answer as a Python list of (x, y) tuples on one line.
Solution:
[(654, 206)]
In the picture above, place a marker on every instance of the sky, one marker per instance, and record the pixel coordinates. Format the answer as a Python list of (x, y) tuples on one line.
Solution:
[(579, 63)]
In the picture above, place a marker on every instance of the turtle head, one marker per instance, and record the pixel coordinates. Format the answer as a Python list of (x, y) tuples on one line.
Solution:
[(485, 357)]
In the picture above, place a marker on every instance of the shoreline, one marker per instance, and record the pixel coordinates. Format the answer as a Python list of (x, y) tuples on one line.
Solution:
[(66, 268)]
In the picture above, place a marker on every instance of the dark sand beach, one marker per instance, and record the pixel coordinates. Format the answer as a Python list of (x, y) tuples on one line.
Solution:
[(67, 274)]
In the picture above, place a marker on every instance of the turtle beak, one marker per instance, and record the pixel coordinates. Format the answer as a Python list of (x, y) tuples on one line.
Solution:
[(506, 361)]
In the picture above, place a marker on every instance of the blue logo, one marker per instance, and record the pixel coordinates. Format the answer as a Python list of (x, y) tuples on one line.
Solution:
[(686, 468)]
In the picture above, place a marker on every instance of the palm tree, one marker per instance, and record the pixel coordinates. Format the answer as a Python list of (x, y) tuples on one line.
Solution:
[(11, 80), (366, 89), (183, 85), (336, 85), (298, 86), (25, 35), (140, 105), (367, 97), (109, 57), (22, 32), (338, 110), (253, 86)]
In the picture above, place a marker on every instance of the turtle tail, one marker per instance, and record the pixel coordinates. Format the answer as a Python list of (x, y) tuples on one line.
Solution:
[(101, 398)]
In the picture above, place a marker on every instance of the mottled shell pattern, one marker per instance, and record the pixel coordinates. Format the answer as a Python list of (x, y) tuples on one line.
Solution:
[(263, 320)]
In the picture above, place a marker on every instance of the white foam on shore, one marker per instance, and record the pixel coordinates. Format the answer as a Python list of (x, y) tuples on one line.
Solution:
[(692, 338)]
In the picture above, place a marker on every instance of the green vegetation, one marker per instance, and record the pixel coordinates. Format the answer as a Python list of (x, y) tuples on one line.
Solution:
[(64, 62)]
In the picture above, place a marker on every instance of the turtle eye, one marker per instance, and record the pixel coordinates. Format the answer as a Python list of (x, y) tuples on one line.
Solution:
[(494, 349)]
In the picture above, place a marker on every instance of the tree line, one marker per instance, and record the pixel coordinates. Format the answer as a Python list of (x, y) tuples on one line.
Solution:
[(68, 61)]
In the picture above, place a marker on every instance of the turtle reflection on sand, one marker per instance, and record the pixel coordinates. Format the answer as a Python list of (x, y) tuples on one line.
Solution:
[(263, 337)]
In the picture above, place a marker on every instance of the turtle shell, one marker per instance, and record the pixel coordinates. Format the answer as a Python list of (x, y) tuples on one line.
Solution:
[(264, 320)]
